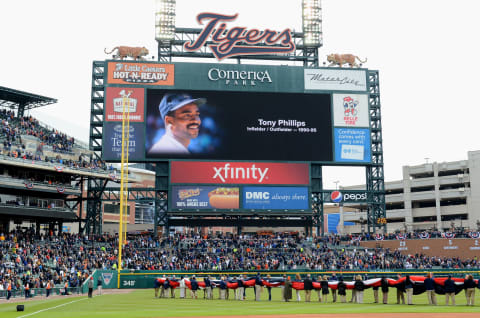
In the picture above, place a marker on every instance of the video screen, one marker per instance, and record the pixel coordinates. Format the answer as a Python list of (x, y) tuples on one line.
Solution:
[(224, 125)]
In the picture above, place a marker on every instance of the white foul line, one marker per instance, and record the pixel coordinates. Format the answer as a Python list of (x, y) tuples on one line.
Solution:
[(33, 313)]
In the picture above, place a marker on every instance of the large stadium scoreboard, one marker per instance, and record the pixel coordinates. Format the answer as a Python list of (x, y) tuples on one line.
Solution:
[(257, 129)]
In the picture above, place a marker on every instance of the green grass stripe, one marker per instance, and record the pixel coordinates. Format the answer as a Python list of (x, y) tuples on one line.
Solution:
[(141, 303)]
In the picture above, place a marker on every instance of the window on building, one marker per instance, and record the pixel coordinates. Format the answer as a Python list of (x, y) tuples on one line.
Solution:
[(422, 175), (114, 208), (144, 213), (442, 173), (453, 217), (395, 206), (425, 219), (402, 220), (452, 186), (453, 201), (423, 204), (394, 191), (422, 189)]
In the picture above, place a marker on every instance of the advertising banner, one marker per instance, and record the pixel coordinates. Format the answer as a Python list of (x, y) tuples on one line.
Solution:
[(112, 141), (352, 145), (350, 110), (118, 98), (335, 79), (465, 248), (239, 172), (352, 196), (140, 73), (205, 197), (239, 77), (238, 126), (275, 198)]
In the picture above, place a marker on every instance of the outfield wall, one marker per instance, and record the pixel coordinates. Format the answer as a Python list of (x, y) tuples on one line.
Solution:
[(144, 279), (464, 248), (56, 291)]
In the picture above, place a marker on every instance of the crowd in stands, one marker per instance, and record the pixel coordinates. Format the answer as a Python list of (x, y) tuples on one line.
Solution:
[(12, 128), (71, 258), (187, 252), (357, 238), (27, 258)]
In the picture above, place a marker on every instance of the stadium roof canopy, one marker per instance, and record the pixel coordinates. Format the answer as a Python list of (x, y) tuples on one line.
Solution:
[(13, 98)]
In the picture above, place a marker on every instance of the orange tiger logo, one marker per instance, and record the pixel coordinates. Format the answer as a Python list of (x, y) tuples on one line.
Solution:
[(340, 59), (127, 51)]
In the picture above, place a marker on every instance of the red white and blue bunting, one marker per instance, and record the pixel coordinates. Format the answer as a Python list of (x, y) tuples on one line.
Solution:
[(448, 235), (28, 185), (474, 235), (401, 237), (424, 235)]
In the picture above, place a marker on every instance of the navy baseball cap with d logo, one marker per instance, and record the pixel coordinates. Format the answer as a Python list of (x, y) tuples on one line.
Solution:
[(173, 101)]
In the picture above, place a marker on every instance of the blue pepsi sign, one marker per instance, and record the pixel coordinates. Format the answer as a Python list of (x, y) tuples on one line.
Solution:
[(275, 198), (352, 145)]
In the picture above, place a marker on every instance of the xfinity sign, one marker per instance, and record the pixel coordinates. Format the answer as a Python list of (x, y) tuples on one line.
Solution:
[(230, 172), (227, 172)]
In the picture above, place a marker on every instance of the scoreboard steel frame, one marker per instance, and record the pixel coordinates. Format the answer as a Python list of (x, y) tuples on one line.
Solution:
[(194, 77)]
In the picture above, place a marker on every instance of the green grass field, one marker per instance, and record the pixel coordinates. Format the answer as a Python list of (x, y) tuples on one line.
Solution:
[(141, 303)]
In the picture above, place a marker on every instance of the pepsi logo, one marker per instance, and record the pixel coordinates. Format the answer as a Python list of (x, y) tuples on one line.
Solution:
[(336, 196)]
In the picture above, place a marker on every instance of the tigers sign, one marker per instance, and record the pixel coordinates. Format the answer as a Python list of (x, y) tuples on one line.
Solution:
[(226, 42), (141, 73)]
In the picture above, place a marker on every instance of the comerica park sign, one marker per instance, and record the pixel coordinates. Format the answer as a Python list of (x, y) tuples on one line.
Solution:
[(226, 42)]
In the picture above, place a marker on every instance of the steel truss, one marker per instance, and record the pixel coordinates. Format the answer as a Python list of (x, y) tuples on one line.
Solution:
[(95, 187), (168, 50), (162, 170), (376, 209), (308, 56), (316, 184)]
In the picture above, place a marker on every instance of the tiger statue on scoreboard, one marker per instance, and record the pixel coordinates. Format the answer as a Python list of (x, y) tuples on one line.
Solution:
[(340, 59), (127, 51)]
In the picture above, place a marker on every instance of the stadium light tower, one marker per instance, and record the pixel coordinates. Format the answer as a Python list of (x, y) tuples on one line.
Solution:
[(336, 184), (164, 27), (312, 23)]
